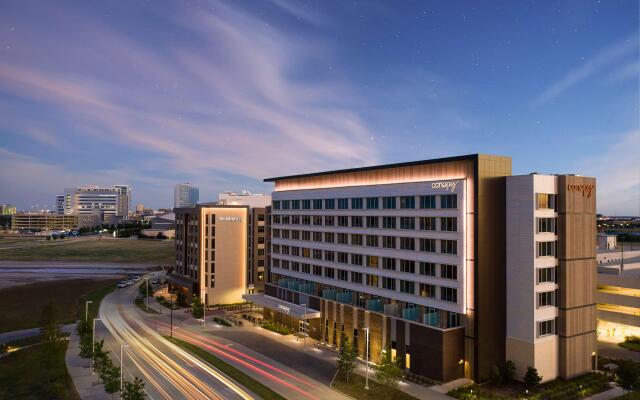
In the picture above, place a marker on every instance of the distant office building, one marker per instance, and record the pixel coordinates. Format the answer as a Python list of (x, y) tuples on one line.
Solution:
[(551, 274), (185, 195), (35, 222), (7, 209), (139, 209), (162, 224), (112, 203)]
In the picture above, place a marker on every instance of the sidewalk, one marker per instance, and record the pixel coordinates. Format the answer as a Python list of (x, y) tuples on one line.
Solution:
[(612, 393), (79, 369)]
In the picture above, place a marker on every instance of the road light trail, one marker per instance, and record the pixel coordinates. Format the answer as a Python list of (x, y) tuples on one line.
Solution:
[(164, 365)]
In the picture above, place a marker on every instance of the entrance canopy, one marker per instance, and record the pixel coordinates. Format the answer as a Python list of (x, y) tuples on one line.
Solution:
[(281, 306)]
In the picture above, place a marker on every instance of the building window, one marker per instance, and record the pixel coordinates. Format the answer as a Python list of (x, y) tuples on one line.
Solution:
[(448, 271), (212, 283), (343, 220), (343, 257), (407, 243), (329, 204), (407, 223), (372, 203), (545, 201), (343, 204), (546, 328), (306, 252), (372, 280), (329, 255), (449, 201), (295, 251), (389, 222), (427, 268), (428, 201), (276, 204), (546, 299), (428, 223), (317, 270), (356, 277), (329, 237), (547, 225), (306, 235), (306, 204), (317, 254), (453, 319), (317, 204), (343, 238), (448, 294), (306, 220), (372, 222), (329, 220), (317, 220), (449, 224), (306, 268), (407, 202), (329, 272), (295, 266), (372, 241), (449, 246), (389, 242), (428, 245), (547, 275), (388, 283), (317, 236), (428, 290), (389, 263), (389, 203), (372, 261), (295, 235), (356, 259), (356, 222), (356, 240), (356, 203), (547, 249), (407, 287), (343, 275), (408, 266)]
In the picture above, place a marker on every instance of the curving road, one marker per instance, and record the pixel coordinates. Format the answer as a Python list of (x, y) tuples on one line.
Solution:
[(169, 372)]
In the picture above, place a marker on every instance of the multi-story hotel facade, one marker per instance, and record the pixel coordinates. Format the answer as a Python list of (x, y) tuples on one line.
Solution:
[(551, 274), (412, 257)]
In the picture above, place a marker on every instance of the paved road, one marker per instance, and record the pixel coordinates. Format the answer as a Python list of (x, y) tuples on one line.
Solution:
[(169, 372)]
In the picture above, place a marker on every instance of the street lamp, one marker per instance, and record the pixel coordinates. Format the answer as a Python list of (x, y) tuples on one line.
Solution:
[(121, 347), (146, 299), (366, 384), (86, 311), (204, 309), (304, 328), (93, 343), (171, 313)]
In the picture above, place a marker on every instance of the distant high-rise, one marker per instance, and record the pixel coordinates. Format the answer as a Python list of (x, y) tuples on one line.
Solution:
[(110, 203), (185, 195)]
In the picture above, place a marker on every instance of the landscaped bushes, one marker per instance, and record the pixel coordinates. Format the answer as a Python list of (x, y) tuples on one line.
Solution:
[(221, 321), (276, 327)]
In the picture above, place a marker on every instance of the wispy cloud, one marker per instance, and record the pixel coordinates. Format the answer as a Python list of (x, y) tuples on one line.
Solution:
[(600, 60), (222, 98)]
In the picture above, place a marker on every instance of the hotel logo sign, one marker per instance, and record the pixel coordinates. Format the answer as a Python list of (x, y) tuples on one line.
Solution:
[(446, 185), (585, 189), (284, 308), (230, 219)]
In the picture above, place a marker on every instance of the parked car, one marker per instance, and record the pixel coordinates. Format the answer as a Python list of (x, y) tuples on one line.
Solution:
[(121, 285)]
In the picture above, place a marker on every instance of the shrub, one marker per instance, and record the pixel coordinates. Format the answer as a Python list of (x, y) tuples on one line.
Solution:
[(507, 371), (632, 339), (531, 378)]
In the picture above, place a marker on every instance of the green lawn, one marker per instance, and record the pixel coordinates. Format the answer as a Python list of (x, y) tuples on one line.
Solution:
[(103, 250), (140, 304), (245, 380), (27, 374), (630, 346), (355, 389), (632, 396), (22, 305)]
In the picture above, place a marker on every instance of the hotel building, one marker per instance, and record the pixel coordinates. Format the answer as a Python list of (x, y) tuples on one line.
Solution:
[(551, 274), (220, 248), (411, 257)]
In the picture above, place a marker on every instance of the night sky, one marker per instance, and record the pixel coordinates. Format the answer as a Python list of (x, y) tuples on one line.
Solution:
[(224, 94)]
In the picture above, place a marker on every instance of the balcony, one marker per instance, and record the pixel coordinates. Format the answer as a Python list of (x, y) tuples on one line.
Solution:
[(412, 313), (431, 319), (309, 288), (329, 294), (374, 305), (344, 297)]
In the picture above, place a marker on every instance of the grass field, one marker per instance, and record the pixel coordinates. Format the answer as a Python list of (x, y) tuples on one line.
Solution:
[(245, 380), (140, 304), (22, 305), (355, 389), (103, 250), (25, 374)]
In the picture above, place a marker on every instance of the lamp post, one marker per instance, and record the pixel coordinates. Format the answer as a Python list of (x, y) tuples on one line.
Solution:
[(146, 299), (366, 382), (121, 347), (204, 309), (171, 313), (93, 343), (86, 311)]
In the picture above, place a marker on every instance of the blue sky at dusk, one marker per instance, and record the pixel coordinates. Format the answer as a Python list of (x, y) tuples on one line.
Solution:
[(224, 94)]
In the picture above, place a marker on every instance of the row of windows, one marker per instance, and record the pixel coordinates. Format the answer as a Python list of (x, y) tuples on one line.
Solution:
[(428, 245), (546, 299), (545, 225), (547, 249), (423, 289), (446, 271), (547, 275), (371, 203), (447, 224)]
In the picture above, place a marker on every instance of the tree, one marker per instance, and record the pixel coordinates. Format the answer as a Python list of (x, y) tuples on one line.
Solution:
[(628, 375), (134, 390), (346, 361), (49, 323), (111, 379), (507, 371), (197, 308), (388, 373), (531, 378)]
